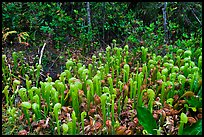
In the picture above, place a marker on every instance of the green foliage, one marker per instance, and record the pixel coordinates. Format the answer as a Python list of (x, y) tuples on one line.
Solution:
[(146, 120), (195, 129), (183, 120), (63, 24), (195, 102)]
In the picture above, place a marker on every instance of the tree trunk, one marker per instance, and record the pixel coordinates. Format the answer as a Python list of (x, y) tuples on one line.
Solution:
[(104, 16), (89, 16), (165, 24), (165, 28)]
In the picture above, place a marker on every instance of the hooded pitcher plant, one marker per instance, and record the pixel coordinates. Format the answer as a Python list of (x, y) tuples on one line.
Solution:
[(36, 109), (48, 88), (26, 106), (103, 105), (140, 79), (110, 81), (83, 115), (69, 64), (65, 129), (57, 109), (74, 127), (126, 72), (183, 120), (75, 101), (151, 96), (6, 93), (28, 82), (182, 80), (23, 95)]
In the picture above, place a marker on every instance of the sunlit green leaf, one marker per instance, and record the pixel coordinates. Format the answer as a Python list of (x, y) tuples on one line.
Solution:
[(146, 120)]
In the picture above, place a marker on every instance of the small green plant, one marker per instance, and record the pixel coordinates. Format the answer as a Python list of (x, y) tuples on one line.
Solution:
[(131, 88), (94, 62), (140, 79), (57, 109), (65, 129), (108, 57), (126, 73), (70, 128), (28, 82), (172, 79), (23, 94), (90, 66), (112, 114), (151, 96), (163, 92), (6, 93), (12, 113), (83, 115), (110, 81), (74, 94), (36, 109), (14, 55), (103, 105), (61, 88), (69, 64), (15, 83), (144, 54), (183, 120), (182, 80), (74, 127), (55, 95), (97, 84), (91, 92), (26, 106), (48, 88)]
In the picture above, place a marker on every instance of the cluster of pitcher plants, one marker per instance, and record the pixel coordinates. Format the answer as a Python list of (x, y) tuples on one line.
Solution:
[(116, 93)]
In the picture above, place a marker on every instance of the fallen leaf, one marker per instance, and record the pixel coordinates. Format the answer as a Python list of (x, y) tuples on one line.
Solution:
[(37, 129), (97, 99), (21, 117), (140, 69), (91, 111), (81, 92), (109, 75), (29, 119), (22, 132), (135, 120), (34, 124), (128, 132), (97, 125), (131, 125), (41, 122), (156, 116), (108, 123), (199, 116), (103, 81), (65, 109), (46, 123), (120, 130), (191, 120)]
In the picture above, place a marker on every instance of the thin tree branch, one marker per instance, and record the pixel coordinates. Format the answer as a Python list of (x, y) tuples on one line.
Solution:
[(196, 17), (41, 53)]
